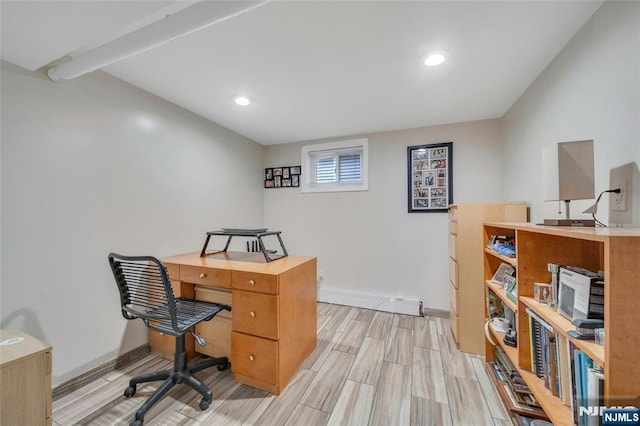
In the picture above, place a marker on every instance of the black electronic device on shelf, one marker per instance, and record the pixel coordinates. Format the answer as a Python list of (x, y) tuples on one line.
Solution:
[(511, 338)]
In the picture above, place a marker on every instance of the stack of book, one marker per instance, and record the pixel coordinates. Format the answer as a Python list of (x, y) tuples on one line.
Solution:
[(546, 353), (587, 386), (566, 371), (503, 244), (512, 388)]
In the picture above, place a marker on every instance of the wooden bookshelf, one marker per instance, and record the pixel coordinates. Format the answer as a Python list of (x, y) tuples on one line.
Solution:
[(614, 251)]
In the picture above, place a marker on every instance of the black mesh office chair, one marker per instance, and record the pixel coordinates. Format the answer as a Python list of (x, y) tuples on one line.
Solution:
[(146, 293)]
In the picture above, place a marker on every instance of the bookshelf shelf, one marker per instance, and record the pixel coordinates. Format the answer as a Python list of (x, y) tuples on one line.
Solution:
[(561, 324), (559, 414), (502, 294), (510, 260), (614, 251)]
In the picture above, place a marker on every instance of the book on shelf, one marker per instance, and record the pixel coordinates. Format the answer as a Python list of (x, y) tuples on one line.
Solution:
[(587, 387), (537, 327), (523, 420), (519, 407), (565, 370), (552, 371), (513, 378), (563, 362), (545, 354), (595, 393), (511, 399), (502, 244)]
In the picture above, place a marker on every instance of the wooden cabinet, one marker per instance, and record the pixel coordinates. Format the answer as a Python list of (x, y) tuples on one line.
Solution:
[(466, 266), (616, 251), (25, 380), (272, 327)]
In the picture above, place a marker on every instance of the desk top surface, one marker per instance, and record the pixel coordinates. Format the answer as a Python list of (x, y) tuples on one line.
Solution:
[(239, 261), (17, 345)]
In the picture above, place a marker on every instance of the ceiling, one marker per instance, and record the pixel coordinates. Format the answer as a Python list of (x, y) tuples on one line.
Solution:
[(316, 69)]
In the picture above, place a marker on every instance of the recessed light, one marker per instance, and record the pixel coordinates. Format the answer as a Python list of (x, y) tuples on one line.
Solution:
[(242, 100), (434, 59)]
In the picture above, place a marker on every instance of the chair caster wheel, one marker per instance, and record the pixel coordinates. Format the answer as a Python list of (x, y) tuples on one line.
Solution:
[(129, 392), (204, 404), (222, 367)]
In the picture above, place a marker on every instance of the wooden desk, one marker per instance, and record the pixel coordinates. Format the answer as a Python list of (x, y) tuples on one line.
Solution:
[(273, 324)]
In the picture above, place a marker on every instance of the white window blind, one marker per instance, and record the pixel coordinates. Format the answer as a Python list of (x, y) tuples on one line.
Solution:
[(342, 165), (335, 166), (350, 167)]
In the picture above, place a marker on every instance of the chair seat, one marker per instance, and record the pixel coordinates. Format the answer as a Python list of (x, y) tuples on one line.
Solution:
[(189, 312)]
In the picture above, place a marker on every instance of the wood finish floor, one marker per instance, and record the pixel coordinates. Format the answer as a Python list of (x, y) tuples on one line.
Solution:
[(369, 368)]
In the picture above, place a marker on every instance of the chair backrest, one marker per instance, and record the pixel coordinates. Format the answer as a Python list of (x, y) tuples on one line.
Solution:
[(145, 288)]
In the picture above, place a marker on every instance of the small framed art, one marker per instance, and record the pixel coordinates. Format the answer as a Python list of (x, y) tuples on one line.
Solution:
[(504, 270), (430, 178), (282, 177)]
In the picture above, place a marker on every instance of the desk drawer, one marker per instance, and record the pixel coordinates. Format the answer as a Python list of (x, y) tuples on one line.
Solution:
[(208, 294), (254, 357), (205, 276), (217, 333), (252, 281), (255, 313)]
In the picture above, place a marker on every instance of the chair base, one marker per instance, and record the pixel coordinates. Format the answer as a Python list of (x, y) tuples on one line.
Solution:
[(181, 373)]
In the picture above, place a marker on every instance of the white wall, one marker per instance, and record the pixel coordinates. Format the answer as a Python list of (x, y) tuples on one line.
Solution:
[(366, 242), (591, 90), (96, 165)]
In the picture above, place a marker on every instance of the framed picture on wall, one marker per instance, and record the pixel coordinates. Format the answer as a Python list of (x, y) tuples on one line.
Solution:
[(282, 177), (430, 177)]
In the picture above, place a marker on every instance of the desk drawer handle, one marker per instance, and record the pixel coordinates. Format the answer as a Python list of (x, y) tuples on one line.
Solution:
[(251, 358), (252, 314), (252, 282), (203, 275)]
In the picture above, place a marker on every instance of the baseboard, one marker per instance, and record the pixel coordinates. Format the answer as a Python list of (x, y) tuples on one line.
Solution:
[(91, 375), (436, 313), (370, 301)]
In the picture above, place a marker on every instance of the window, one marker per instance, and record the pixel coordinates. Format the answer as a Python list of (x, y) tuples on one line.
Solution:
[(335, 166)]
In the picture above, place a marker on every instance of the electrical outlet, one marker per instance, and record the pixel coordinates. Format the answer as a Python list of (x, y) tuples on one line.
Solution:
[(620, 200), (622, 206)]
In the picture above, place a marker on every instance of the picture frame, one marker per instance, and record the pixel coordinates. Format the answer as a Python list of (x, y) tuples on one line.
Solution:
[(430, 177), (282, 177), (512, 288), (503, 271)]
